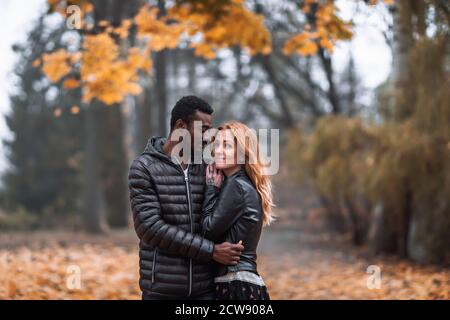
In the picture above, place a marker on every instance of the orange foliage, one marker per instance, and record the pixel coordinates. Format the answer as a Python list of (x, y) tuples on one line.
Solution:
[(295, 264), (60, 6), (106, 76), (157, 32), (56, 64), (71, 83), (329, 29), (236, 26), (105, 273), (109, 75)]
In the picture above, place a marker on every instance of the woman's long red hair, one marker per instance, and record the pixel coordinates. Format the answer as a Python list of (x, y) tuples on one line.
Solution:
[(247, 143)]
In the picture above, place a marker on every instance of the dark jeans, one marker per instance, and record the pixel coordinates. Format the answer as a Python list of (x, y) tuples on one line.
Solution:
[(155, 296)]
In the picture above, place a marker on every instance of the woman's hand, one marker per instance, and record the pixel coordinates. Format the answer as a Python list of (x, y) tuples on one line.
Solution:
[(213, 176)]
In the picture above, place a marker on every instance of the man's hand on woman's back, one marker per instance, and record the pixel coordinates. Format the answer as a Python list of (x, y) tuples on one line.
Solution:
[(228, 253)]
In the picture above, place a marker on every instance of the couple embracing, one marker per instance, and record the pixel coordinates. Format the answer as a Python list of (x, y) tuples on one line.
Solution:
[(199, 224)]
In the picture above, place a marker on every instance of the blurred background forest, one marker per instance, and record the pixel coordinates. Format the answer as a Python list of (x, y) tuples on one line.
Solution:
[(365, 173)]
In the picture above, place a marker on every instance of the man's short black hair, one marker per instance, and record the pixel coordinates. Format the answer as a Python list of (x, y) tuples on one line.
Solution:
[(186, 107)]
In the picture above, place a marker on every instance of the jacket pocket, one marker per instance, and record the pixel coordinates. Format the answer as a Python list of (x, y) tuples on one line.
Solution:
[(155, 254)]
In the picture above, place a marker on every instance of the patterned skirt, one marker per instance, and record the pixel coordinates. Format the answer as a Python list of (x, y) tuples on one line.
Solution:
[(241, 285)]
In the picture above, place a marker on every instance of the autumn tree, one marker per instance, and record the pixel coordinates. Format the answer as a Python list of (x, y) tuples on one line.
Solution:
[(393, 173), (44, 154), (418, 106)]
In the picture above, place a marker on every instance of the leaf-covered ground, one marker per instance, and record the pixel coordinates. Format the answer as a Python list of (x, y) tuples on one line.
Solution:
[(294, 264)]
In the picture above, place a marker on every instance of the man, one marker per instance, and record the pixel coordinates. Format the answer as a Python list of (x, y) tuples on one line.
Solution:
[(166, 198)]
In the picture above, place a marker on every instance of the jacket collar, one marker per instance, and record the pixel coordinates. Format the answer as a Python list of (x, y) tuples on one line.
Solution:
[(154, 147), (239, 173)]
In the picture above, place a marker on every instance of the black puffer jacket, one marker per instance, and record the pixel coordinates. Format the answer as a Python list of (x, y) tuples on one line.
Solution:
[(174, 259), (233, 213)]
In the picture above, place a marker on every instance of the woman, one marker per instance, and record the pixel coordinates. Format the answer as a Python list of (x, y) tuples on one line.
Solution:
[(238, 202)]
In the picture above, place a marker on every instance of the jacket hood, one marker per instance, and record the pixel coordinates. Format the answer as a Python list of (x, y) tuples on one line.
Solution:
[(154, 147)]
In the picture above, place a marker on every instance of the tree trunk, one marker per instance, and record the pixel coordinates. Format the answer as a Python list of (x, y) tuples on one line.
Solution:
[(192, 72), (380, 236), (403, 41), (92, 215), (160, 81), (143, 121), (334, 216), (359, 226), (332, 92), (405, 224), (113, 163), (110, 150)]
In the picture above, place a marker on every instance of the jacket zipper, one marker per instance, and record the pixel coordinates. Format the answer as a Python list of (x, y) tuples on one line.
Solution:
[(188, 191), (155, 252)]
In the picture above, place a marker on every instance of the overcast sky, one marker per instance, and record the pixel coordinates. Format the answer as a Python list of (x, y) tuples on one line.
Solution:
[(372, 56)]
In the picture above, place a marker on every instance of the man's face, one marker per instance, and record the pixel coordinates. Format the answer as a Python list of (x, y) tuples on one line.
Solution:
[(204, 124)]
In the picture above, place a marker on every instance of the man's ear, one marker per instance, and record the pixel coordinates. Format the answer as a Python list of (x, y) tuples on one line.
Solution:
[(180, 124)]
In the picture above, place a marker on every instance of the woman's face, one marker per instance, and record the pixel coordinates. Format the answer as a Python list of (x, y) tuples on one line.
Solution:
[(224, 150)]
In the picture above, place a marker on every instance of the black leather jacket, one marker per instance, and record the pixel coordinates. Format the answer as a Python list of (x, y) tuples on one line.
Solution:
[(233, 213)]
